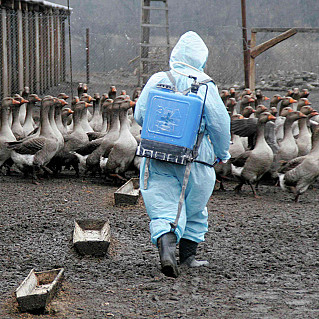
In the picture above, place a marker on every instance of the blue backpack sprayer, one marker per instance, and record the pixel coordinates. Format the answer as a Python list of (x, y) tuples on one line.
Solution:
[(171, 127)]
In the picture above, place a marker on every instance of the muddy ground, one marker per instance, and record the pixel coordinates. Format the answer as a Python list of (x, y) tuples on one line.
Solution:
[(263, 254)]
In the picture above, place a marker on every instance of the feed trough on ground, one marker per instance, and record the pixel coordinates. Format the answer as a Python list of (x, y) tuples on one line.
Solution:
[(91, 237), (128, 193), (38, 288)]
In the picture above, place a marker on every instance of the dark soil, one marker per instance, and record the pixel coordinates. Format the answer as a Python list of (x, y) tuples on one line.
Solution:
[(263, 254)]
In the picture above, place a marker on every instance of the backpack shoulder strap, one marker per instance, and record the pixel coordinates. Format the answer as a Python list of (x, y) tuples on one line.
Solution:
[(172, 79)]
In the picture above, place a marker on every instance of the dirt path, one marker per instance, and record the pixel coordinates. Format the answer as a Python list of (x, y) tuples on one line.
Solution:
[(263, 254)]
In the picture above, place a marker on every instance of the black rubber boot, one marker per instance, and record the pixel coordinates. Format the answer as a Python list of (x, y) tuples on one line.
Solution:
[(167, 247), (187, 253)]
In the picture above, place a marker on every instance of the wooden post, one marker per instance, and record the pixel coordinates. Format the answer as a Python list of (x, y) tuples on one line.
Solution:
[(4, 53), (87, 56), (58, 38), (62, 48), (37, 52), (252, 67), (245, 42), (52, 49), (26, 58), (20, 50), (145, 39)]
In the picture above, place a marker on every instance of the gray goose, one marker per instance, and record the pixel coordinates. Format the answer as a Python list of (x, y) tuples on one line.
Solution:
[(72, 142), (245, 101), (250, 166), (298, 174), (29, 125), (96, 121), (231, 106), (236, 148), (6, 134), (286, 101), (66, 114), (288, 148), (93, 160), (274, 101), (37, 152), (85, 118), (304, 138), (224, 95), (23, 108), (16, 126), (260, 98), (123, 152)]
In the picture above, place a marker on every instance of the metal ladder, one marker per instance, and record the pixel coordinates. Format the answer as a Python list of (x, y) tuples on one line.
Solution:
[(150, 64)]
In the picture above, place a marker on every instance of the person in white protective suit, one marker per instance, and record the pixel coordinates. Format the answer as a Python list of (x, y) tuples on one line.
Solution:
[(164, 183)]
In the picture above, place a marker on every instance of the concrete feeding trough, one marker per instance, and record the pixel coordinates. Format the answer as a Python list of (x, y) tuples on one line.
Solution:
[(38, 288), (91, 237), (128, 193)]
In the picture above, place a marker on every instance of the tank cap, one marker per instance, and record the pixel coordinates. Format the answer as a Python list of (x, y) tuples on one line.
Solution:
[(165, 86)]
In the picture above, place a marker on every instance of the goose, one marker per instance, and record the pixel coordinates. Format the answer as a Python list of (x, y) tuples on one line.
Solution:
[(260, 98), (113, 133), (250, 166), (70, 123), (80, 89), (224, 95), (23, 109), (66, 114), (304, 93), (72, 142), (84, 118), (106, 114), (246, 91), (16, 126), (55, 111), (301, 102), (112, 92), (236, 148), (286, 101), (37, 152), (96, 122), (296, 94), (288, 148), (234, 94), (231, 105), (62, 96), (6, 134), (304, 138), (274, 101), (246, 99), (298, 174), (29, 124), (123, 152), (136, 93), (249, 128), (279, 123)]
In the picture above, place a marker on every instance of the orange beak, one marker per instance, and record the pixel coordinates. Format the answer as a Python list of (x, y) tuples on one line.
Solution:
[(24, 101), (271, 117), (291, 100), (266, 98), (15, 102), (251, 100)]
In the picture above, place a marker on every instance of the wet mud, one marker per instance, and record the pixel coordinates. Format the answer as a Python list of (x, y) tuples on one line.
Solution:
[(262, 252)]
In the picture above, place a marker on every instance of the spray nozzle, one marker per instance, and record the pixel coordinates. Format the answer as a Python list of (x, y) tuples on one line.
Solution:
[(194, 85)]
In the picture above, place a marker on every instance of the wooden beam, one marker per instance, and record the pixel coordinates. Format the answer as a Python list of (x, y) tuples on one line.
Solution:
[(252, 70), (270, 43), (302, 30)]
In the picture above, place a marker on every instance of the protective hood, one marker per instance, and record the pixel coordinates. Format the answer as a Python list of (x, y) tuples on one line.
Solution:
[(190, 49)]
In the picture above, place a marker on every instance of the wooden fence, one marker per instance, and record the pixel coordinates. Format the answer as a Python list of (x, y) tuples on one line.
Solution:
[(32, 38)]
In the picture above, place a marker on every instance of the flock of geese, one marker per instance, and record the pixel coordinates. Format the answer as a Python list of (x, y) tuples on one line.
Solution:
[(277, 144), (101, 141), (98, 135)]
